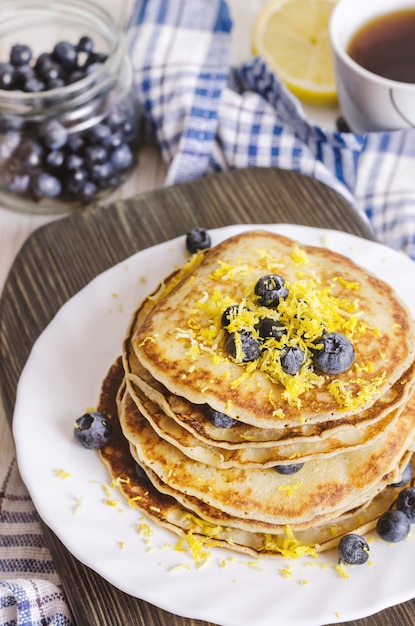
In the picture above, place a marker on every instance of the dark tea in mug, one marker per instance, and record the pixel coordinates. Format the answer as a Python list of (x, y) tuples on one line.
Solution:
[(386, 46)]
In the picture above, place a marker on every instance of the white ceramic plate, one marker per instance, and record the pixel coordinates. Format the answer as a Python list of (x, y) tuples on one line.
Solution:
[(62, 379)]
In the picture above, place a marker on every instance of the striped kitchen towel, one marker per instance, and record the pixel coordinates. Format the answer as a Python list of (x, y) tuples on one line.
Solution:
[(30, 591), (207, 116)]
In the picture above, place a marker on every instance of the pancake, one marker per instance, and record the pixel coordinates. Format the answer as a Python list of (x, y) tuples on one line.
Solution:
[(181, 342), (350, 432), (315, 438), (322, 489), (166, 511), (300, 450)]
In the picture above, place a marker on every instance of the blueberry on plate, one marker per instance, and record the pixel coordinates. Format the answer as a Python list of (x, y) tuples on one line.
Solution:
[(288, 470), (353, 549), (335, 354), (198, 239), (243, 347), (270, 289), (405, 502), (393, 526), (220, 420), (93, 430)]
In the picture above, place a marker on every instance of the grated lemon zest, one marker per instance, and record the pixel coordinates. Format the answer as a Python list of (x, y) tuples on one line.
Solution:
[(287, 545), (289, 489), (145, 529), (340, 568), (62, 474), (299, 256)]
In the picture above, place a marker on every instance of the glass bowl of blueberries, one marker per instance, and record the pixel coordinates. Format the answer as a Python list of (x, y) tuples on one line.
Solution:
[(69, 118)]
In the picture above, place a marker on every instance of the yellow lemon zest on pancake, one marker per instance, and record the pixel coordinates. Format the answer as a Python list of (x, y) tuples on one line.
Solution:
[(226, 271), (299, 256), (309, 311), (355, 393), (289, 489), (149, 338), (210, 530), (347, 283), (197, 547), (288, 546), (269, 261)]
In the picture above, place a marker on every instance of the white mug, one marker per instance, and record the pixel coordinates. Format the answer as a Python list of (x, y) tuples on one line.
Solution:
[(368, 102)]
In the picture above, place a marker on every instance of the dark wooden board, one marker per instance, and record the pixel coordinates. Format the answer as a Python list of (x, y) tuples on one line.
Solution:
[(62, 257)]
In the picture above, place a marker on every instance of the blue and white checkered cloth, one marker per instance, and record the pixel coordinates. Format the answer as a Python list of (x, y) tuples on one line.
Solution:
[(206, 117)]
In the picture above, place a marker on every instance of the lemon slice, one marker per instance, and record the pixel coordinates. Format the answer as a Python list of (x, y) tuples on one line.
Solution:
[(292, 36)]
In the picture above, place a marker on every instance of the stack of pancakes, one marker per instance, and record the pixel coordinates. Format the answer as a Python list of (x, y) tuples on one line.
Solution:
[(237, 452)]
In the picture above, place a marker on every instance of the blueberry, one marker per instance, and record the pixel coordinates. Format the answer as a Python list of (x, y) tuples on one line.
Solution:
[(56, 83), (22, 74), (7, 76), (141, 474), (353, 549), (220, 420), (18, 183), (287, 470), (270, 289), (88, 192), (52, 72), (336, 354), (34, 85), (74, 162), (198, 239), (268, 328), (85, 44), (122, 157), (93, 430), (96, 58), (43, 61), (55, 159), (44, 185), (54, 135), (230, 313), (29, 155), (20, 54), (74, 143), (98, 133), (75, 76), (8, 144), (243, 347), (91, 68), (96, 155), (292, 359), (406, 477), (393, 526), (101, 174), (66, 54), (76, 181), (405, 502), (114, 140)]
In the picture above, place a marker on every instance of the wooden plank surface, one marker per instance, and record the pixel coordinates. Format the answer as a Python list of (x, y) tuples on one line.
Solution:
[(62, 257)]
